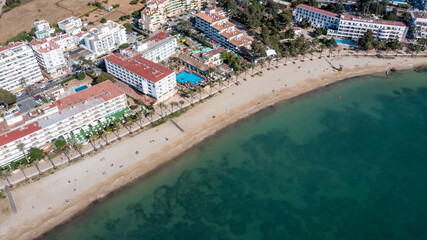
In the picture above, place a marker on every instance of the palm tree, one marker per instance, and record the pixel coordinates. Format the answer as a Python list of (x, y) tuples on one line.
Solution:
[(261, 62), (211, 84), (161, 105), (181, 102), (76, 145), (115, 129), (135, 117), (103, 135), (269, 62), (286, 58), (200, 90), (21, 147), (278, 56), (49, 157), (128, 127), (322, 46), (90, 139), (252, 66), (172, 104), (219, 84)]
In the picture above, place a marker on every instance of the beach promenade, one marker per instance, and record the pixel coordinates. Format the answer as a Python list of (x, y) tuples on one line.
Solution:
[(53, 199)]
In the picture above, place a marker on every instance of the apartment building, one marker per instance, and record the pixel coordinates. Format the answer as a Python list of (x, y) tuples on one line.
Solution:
[(146, 76), (105, 37), (18, 63), (419, 21), (156, 12), (43, 29), (65, 41), (48, 54), (156, 48), (319, 18), (215, 25), (71, 25), (59, 119), (350, 26), (353, 27)]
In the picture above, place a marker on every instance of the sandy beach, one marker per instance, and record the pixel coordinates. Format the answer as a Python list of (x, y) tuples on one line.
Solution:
[(56, 198)]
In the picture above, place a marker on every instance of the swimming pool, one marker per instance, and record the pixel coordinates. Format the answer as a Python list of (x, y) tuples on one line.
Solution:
[(188, 77), (83, 87), (343, 42)]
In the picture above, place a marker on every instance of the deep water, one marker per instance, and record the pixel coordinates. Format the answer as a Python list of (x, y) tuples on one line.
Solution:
[(345, 162)]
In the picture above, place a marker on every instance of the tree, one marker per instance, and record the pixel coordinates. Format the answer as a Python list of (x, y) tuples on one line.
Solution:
[(366, 42), (60, 145), (285, 17), (258, 49), (305, 23), (80, 75), (35, 154), (21, 147), (103, 20), (6, 97), (135, 14)]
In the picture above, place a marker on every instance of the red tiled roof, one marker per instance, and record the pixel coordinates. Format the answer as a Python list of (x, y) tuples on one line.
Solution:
[(43, 45), (159, 37), (310, 8), (140, 66), (372, 20), (107, 90), (19, 133)]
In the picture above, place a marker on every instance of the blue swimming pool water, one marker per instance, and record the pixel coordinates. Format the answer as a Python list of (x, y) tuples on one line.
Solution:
[(343, 41), (80, 88), (188, 77)]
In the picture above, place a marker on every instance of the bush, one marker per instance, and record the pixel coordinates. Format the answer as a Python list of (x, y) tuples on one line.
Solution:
[(133, 2), (115, 5), (103, 20), (133, 107)]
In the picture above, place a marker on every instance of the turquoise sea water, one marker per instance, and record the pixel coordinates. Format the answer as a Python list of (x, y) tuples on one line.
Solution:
[(345, 162)]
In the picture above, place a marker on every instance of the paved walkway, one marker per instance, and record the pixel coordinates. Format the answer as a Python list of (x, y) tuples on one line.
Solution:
[(9, 196)]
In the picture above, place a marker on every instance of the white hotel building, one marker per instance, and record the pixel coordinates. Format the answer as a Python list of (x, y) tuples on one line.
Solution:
[(156, 12), (157, 48), (146, 76), (319, 18), (105, 38), (49, 55), (17, 62), (71, 25), (419, 21), (349, 26), (215, 25), (38, 128)]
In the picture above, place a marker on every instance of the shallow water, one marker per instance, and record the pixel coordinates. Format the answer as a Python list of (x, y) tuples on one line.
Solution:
[(345, 162)]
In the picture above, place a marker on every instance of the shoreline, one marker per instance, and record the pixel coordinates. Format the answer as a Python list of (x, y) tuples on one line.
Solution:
[(197, 130)]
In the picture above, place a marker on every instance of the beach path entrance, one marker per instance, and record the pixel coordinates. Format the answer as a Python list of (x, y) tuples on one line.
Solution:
[(9, 196)]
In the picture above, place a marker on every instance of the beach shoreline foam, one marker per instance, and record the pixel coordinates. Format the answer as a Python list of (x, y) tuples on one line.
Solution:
[(235, 103)]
